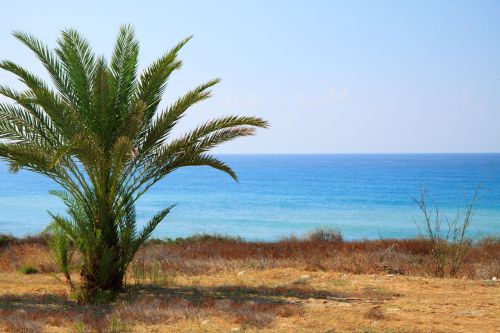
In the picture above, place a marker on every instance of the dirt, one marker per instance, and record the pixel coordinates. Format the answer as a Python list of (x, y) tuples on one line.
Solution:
[(328, 301)]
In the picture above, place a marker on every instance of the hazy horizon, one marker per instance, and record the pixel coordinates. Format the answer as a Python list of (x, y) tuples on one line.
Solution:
[(331, 77), (368, 153)]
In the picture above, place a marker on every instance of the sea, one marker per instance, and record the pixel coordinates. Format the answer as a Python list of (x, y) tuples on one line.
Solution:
[(365, 196)]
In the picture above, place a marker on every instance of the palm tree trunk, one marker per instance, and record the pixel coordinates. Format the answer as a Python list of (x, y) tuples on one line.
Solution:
[(102, 281)]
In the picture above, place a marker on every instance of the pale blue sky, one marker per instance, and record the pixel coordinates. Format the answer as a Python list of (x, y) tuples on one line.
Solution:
[(330, 76)]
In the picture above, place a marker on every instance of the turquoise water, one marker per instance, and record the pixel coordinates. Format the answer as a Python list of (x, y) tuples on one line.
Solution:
[(366, 196)]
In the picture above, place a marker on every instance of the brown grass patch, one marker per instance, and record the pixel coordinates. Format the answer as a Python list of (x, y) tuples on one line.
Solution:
[(204, 254), (212, 284)]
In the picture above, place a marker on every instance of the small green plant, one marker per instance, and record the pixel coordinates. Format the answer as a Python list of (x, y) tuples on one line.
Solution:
[(5, 240), (28, 269), (197, 238), (62, 250), (138, 270), (79, 327), (155, 273), (381, 291), (340, 282), (118, 325), (101, 297), (152, 272)]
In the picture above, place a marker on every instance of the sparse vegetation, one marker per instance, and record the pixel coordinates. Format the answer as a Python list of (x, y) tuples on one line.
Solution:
[(218, 283), (161, 260), (198, 238), (28, 269)]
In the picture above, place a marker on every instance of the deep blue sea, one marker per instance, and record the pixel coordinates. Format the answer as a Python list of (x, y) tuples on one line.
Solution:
[(364, 195)]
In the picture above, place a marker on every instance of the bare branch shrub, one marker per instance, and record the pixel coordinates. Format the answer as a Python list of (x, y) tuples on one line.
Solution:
[(325, 234), (449, 245)]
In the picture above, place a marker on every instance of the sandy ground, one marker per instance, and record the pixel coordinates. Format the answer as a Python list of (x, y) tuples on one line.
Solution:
[(356, 303)]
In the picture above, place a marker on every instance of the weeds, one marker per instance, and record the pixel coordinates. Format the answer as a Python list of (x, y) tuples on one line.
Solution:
[(28, 270), (340, 282), (118, 325), (159, 263)]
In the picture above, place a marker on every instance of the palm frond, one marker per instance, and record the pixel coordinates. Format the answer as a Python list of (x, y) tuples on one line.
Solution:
[(78, 61), (161, 127), (153, 80), (123, 69), (51, 64), (150, 226), (200, 160)]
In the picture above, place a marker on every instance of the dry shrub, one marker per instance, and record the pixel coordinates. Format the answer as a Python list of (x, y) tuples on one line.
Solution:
[(357, 262), (355, 257), (14, 323), (448, 234), (485, 271), (315, 265), (411, 256), (16, 255), (375, 313), (206, 255), (327, 234)]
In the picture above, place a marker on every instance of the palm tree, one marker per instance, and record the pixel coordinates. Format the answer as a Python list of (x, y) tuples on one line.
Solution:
[(98, 132)]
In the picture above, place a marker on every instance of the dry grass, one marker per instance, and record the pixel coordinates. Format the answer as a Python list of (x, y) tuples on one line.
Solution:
[(407, 256), (213, 284), (205, 254), (258, 300)]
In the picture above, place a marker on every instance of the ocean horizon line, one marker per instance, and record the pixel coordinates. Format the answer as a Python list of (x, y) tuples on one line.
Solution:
[(330, 154)]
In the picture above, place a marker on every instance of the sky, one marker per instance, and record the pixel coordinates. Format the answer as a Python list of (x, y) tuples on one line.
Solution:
[(330, 76)]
